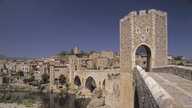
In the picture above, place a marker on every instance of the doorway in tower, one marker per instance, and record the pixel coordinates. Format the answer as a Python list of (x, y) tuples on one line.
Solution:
[(143, 57)]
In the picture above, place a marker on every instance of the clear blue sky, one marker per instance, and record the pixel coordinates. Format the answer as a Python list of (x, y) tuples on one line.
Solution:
[(41, 28)]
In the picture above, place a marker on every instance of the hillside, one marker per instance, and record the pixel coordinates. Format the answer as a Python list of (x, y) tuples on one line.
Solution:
[(12, 58)]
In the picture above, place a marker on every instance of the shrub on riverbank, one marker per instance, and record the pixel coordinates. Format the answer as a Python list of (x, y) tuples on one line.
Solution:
[(98, 93), (13, 88)]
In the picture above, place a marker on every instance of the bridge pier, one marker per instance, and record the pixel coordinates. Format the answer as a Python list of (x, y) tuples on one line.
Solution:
[(126, 90)]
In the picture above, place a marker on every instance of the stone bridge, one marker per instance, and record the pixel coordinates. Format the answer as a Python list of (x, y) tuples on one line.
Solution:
[(165, 87), (91, 79), (159, 85)]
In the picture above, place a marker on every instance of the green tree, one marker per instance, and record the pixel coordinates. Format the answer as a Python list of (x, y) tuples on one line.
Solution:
[(64, 53), (180, 64), (20, 73), (2, 73), (25, 81), (178, 58), (82, 54), (62, 79), (44, 79), (93, 83), (91, 52), (31, 73), (31, 79)]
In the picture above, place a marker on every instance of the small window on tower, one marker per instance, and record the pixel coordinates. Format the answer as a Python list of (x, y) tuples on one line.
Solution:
[(147, 29)]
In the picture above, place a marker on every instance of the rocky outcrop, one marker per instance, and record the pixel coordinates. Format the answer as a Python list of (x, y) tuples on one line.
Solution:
[(98, 103)]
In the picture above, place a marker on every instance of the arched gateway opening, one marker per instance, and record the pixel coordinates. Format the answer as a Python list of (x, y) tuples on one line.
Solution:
[(77, 81), (90, 84), (143, 57)]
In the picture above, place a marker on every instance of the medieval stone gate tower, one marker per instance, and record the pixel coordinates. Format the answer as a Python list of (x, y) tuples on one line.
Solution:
[(148, 29)]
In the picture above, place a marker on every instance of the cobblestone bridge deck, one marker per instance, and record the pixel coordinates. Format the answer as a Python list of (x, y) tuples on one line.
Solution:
[(179, 88)]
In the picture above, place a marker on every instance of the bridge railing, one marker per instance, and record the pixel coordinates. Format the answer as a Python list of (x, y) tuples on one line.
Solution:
[(182, 71), (104, 70), (149, 93)]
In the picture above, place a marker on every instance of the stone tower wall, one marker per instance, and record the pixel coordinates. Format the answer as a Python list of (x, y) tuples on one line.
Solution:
[(126, 78), (161, 39), (143, 28), (125, 31), (52, 75), (71, 70), (74, 65), (147, 28)]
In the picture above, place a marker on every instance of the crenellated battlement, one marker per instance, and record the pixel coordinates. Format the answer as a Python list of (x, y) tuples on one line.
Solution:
[(143, 12)]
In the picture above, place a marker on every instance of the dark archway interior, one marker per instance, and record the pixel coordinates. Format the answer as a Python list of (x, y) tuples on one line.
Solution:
[(143, 57), (77, 81), (90, 84)]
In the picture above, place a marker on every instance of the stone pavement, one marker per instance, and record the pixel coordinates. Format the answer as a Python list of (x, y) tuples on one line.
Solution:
[(179, 88)]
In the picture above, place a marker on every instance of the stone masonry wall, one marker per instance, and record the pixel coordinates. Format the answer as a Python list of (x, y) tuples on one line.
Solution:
[(98, 75), (144, 96), (185, 72), (160, 26), (112, 90), (149, 93), (148, 28), (143, 28)]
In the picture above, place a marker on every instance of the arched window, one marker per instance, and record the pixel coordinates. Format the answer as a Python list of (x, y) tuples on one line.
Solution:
[(77, 81)]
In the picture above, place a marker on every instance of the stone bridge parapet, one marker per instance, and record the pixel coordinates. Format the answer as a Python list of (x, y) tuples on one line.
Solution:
[(99, 76), (148, 93), (182, 71)]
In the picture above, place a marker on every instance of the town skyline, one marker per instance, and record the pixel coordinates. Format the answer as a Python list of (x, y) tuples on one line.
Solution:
[(44, 28)]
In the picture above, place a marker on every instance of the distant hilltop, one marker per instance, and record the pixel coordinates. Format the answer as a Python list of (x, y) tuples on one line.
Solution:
[(12, 58)]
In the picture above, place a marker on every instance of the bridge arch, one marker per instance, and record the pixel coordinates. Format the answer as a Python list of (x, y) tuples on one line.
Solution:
[(90, 83), (143, 56), (77, 81)]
